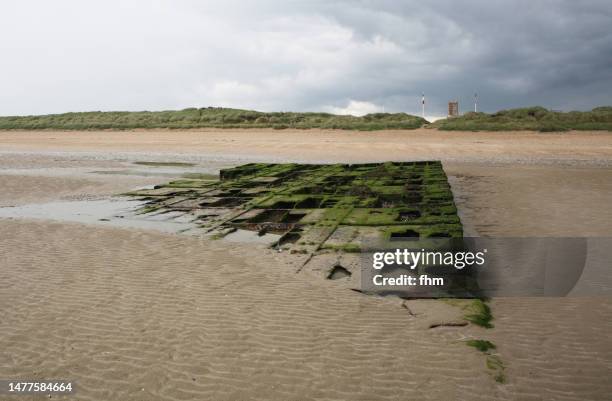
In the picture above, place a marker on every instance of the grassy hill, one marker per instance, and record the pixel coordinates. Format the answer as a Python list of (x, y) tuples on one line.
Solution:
[(211, 117), (530, 118)]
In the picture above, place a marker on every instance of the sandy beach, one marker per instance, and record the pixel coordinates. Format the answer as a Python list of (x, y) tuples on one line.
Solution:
[(328, 145), (132, 314)]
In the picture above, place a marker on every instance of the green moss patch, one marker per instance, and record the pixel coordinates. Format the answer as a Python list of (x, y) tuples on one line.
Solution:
[(165, 164)]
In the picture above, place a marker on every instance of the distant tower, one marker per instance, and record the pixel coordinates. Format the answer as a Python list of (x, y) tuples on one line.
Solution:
[(453, 108), (475, 102), (423, 103)]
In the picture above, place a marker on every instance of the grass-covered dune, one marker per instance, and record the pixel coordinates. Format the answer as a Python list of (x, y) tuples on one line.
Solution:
[(530, 118), (211, 117)]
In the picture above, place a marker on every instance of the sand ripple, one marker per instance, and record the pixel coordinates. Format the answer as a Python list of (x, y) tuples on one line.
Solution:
[(133, 315)]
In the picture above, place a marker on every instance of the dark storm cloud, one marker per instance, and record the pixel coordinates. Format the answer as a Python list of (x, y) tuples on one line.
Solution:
[(342, 56), (554, 53)]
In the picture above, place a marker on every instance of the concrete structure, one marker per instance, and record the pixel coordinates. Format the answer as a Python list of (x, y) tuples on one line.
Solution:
[(453, 109)]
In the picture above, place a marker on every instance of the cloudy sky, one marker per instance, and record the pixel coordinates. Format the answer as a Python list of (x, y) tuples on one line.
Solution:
[(338, 56)]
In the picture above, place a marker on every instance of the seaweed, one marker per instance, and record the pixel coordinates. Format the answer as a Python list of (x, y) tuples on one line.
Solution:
[(479, 313), (481, 345)]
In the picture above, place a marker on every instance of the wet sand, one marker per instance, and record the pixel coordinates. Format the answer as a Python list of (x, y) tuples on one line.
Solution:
[(135, 315), (140, 315), (533, 200)]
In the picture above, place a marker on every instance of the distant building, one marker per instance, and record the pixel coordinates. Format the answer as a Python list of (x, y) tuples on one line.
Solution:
[(453, 109)]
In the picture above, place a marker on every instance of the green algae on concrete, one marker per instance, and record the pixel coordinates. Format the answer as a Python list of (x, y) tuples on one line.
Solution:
[(313, 207)]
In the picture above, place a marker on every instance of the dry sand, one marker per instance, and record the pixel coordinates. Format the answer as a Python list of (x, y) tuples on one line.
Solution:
[(135, 315), (330, 145)]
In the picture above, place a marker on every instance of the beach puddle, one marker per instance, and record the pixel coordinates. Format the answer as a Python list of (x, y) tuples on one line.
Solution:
[(117, 212), (136, 173)]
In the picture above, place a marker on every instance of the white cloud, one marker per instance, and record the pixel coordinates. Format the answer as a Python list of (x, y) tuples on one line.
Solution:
[(432, 119), (356, 108)]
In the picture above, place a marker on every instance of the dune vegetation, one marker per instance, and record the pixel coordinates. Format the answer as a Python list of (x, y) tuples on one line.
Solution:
[(210, 117), (530, 118)]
